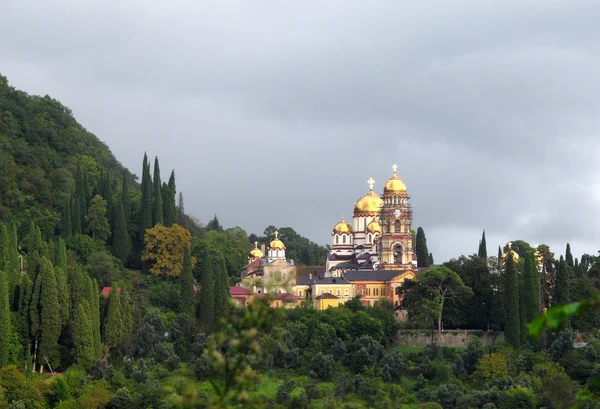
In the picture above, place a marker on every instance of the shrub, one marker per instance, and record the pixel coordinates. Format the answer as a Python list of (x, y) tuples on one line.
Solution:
[(321, 366), (518, 398)]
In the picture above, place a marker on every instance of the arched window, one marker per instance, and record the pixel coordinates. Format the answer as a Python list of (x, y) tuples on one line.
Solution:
[(337, 239), (397, 226), (370, 238), (368, 303), (299, 293), (377, 291), (322, 291), (346, 292), (398, 254), (338, 293), (330, 292), (344, 239)]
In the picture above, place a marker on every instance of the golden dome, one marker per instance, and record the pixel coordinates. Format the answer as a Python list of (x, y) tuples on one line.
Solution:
[(342, 228), (256, 252), (510, 251), (394, 184), (373, 227), (276, 244)]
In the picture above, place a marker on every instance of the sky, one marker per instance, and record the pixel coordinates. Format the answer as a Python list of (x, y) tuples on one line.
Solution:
[(278, 112)]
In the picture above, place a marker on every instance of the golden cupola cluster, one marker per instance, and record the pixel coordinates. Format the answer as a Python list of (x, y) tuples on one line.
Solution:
[(373, 227), (370, 204), (395, 185), (276, 243), (510, 251), (256, 252), (342, 228)]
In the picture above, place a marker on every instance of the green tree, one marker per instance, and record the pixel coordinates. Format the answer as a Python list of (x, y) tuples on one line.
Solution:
[(561, 291), (157, 213), (170, 210), (222, 296), (569, 256), (499, 257), (214, 224), (434, 288), (83, 338), (60, 259), (206, 295), (422, 251), (125, 199), (50, 322), (76, 224), (5, 325), (66, 219), (97, 220), (95, 315), (531, 287), (518, 398), (482, 252), (121, 243), (14, 269), (146, 204), (113, 326), (4, 248), (64, 300), (512, 319), (430, 259), (127, 316), (187, 285)]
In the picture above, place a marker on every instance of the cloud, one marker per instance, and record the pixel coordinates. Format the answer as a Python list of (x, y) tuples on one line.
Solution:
[(278, 113)]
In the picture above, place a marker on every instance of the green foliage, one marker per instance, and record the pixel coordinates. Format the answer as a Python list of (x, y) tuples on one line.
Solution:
[(97, 219), (157, 207), (421, 249), (491, 368), (113, 326), (482, 252), (187, 304), (518, 398), (83, 336), (146, 208), (49, 314), (121, 242), (512, 325), (561, 293), (206, 295), (5, 321), (222, 297)]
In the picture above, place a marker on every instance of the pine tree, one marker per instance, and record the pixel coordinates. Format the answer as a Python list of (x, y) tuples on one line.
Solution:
[(113, 326), (222, 295), (422, 251), (83, 338), (214, 224), (24, 321), (511, 303), (157, 214), (61, 254), (5, 325), (187, 286), (50, 325), (561, 293), (206, 295), (146, 204), (181, 212), (121, 243), (569, 256), (482, 247)]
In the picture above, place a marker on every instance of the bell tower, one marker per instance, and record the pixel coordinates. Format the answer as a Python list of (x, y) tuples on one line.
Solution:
[(395, 243)]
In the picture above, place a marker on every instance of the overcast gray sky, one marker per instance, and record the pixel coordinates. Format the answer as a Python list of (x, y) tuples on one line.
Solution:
[(277, 112)]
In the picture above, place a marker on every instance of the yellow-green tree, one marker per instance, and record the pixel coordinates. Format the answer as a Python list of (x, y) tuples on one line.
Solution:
[(164, 247)]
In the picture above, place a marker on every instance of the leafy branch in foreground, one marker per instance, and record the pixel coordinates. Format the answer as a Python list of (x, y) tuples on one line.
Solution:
[(233, 351)]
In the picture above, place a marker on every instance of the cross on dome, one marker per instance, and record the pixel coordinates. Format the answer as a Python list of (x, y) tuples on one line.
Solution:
[(395, 167), (276, 234), (371, 183), (342, 216), (256, 244)]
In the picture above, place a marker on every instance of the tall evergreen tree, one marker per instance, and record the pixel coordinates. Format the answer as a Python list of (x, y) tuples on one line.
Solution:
[(50, 325), (125, 200), (86, 188), (186, 292), (561, 293), (80, 192), (168, 205), (531, 288), (64, 300), (221, 290), (171, 213), (430, 258), (512, 324), (127, 315), (5, 325), (4, 248), (24, 321), (482, 246), (83, 338), (422, 251), (66, 218), (569, 256), (180, 211), (113, 326), (522, 313), (146, 204), (214, 224), (15, 267), (157, 214), (95, 316), (97, 220), (499, 257), (121, 243), (206, 294), (76, 224)]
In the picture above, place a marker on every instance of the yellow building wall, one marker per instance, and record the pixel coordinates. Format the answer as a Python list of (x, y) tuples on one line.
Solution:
[(323, 304), (334, 290)]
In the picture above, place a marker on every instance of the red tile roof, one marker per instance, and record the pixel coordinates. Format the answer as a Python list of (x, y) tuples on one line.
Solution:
[(236, 290), (106, 291)]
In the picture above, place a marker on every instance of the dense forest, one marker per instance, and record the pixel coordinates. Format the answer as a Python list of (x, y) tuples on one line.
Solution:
[(112, 296)]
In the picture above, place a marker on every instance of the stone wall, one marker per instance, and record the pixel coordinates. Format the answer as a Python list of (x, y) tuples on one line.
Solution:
[(452, 338)]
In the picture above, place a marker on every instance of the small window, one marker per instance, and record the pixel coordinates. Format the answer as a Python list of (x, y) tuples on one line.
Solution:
[(344, 239), (299, 293), (368, 303), (322, 291), (337, 239), (377, 291), (339, 293), (330, 292), (346, 292)]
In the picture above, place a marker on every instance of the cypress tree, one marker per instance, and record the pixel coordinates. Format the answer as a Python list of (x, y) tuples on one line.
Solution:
[(430, 258), (24, 322), (66, 226), (569, 256), (167, 210), (76, 223), (561, 293), (186, 292), (206, 295), (125, 200), (221, 290), (14, 270), (50, 325), (4, 248), (81, 199), (127, 316), (146, 204), (499, 257), (78, 286), (113, 326), (482, 247), (63, 291), (83, 337), (121, 243), (522, 313), (421, 246), (181, 211), (87, 194), (95, 316), (5, 326), (61, 254), (512, 323), (157, 213), (531, 288)]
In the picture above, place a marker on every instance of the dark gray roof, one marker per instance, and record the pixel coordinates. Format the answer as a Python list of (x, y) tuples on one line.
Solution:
[(377, 275), (305, 280)]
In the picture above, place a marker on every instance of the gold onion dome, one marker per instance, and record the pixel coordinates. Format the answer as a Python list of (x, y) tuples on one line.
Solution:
[(369, 203), (277, 244), (394, 185), (373, 227), (510, 251), (342, 227), (256, 252)]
